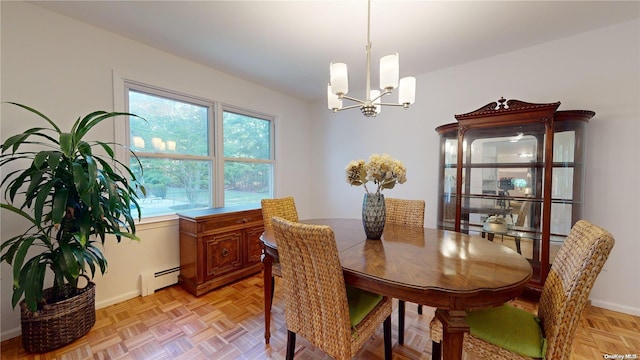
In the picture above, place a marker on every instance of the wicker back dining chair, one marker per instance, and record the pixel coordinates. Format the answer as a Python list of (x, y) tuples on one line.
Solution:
[(408, 213), (285, 208), (564, 296), (405, 212), (318, 306)]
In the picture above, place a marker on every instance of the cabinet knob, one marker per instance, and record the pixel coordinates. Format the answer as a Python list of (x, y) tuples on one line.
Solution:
[(225, 252)]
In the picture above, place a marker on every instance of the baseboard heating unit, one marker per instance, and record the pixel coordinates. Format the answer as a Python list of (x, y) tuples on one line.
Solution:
[(152, 281)]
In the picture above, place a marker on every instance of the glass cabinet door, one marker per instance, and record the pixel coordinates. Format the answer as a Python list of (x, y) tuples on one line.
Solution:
[(502, 187), (567, 180), (448, 173)]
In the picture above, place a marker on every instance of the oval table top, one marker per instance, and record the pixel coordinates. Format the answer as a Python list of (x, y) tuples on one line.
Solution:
[(439, 268)]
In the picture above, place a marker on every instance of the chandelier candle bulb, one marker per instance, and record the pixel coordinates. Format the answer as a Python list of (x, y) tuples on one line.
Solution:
[(334, 102), (407, 91), (339, 78), (389, 72)]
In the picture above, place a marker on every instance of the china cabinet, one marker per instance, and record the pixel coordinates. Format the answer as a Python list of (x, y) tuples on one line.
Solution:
[(219, 246), (512, 172)]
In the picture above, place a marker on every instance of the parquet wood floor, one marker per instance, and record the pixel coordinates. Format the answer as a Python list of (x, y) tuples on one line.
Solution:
[(228, 324)]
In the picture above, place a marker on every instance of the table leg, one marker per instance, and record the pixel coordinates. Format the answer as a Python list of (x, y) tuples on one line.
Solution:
[(453, 328), (401, 307), (267, 262)]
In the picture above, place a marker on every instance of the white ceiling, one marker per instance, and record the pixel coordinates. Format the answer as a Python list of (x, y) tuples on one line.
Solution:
[(288, 45)]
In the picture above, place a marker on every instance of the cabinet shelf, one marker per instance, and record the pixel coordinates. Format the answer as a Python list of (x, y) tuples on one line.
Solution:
[(502, 166), (518, 161)]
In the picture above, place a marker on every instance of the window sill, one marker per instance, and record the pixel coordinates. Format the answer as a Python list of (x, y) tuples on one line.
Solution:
[(157, 222)]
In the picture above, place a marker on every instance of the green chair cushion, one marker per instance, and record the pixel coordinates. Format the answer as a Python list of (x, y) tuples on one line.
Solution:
[(510, 328), (361, 302)]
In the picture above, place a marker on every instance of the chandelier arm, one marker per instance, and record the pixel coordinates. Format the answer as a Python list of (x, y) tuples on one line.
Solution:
[(357, 106), (352, 99), (385, 92), (391, 104)]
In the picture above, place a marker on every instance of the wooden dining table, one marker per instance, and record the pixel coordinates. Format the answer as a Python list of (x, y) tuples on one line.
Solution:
[(451, 271)]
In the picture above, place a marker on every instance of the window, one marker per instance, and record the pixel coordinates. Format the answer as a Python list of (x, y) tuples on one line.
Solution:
[(175, 141), (248, 157)]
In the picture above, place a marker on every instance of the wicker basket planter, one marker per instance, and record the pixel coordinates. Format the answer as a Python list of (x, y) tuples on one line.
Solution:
[(61, 322)]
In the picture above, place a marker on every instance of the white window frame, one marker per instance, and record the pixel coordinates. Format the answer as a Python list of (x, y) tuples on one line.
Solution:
[(122, 133), (272, 158)]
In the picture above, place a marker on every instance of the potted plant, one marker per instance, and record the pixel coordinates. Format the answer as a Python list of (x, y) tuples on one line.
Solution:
[(73, 193)]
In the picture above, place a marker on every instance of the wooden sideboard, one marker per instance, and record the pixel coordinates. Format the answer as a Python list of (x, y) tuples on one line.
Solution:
[(219, 246)]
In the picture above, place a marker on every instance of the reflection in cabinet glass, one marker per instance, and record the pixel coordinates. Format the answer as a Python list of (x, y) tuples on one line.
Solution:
[(519, 177)]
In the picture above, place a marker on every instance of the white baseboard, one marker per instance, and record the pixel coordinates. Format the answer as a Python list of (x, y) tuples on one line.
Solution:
[(10, 334), (117, 299), (616, 307)]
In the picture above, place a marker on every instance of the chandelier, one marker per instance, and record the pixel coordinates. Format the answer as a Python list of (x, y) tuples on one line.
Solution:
[(389, 73)]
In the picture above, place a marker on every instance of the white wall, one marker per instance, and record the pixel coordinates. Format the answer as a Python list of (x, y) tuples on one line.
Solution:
[(598, 70), (64, 69)]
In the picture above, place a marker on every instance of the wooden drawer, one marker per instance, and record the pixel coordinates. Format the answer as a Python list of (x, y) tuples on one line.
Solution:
[(226, 221)]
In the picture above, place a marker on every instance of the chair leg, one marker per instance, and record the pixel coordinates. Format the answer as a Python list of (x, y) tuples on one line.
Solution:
[(273, 287), (401, 307), (386, 326), (291, 344), (518, 245), (436, 350), (420, 309)]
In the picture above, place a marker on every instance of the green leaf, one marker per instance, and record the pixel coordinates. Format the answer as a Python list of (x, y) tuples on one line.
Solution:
[(79, 178), (92, 170), (101, 259), (40, 158), (41, 198), (12, 245), (84, 227), (36, 176), (30, 281), (38, 113), (59, 205), (107, 149), (90, 261), (19, 212), (19, 259), (14, 186), (54, 159), (17, 295), (84, 148), (67, 145), (14, 142), (68, 262), (95, 118)]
